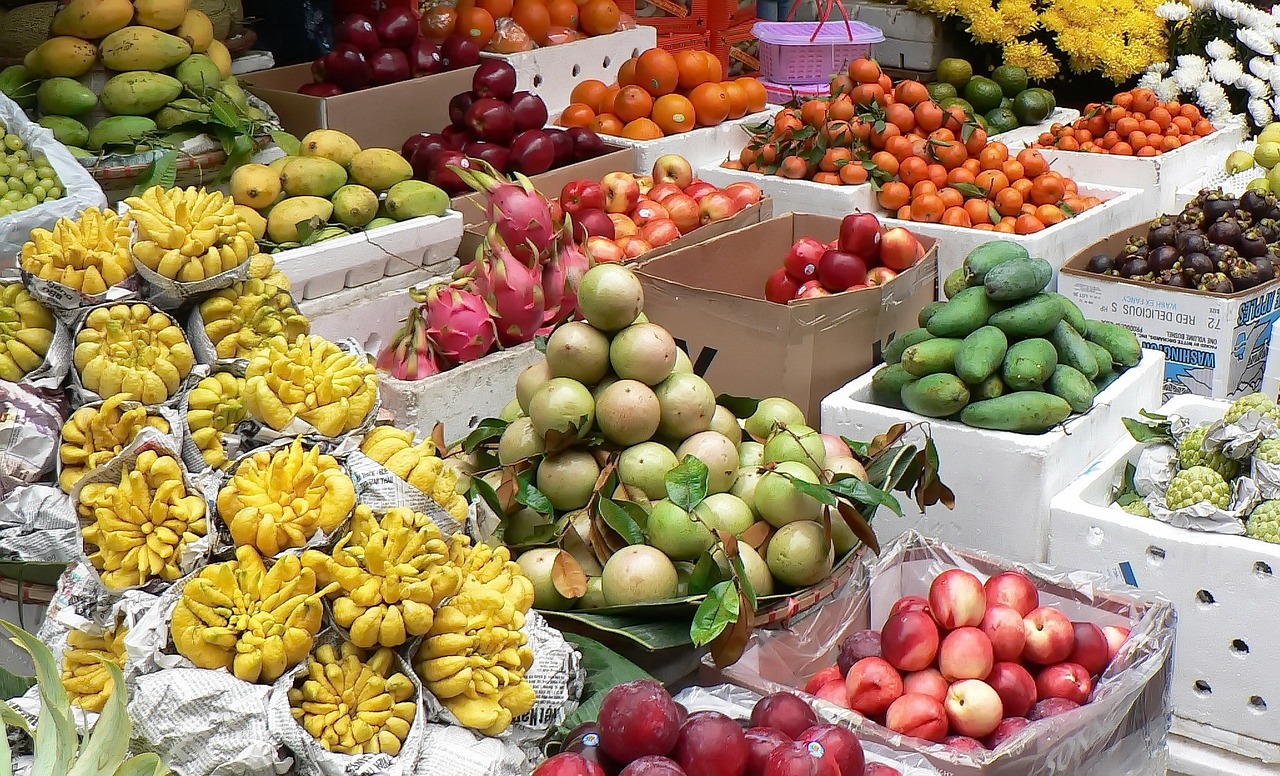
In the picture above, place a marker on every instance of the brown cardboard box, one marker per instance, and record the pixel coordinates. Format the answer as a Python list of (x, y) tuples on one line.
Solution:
[(710, 296), (380, 117)]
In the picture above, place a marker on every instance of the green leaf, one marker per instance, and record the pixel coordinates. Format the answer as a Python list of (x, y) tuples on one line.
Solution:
[(687, 483), (617, 518), (11, 716), (6, 757), (637, 513), (489, 428), (291, 145), (162, 172), (653, 635), (970, 190), (540, 342), (892, 468), (12, 685), (529, 495), (809, 489), (56, 738), (238, 155), (108, 743), (605, 670), (717, 611), (146, 764), (855, 489), (485, 491), (742, 407), (744, 582), (1144, 431), (859, 448), (706, 573)]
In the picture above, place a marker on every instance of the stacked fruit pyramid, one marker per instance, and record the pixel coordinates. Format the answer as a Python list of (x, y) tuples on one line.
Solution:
[(164, 70), (292, 531), (1002, 352)]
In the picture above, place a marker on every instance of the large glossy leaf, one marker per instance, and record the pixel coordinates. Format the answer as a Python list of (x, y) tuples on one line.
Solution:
[(105, 749), (619, 520), (605, 669), (12, 685), (147, 764), (717, 611), (56, 738), (687, 483), (653, 635)]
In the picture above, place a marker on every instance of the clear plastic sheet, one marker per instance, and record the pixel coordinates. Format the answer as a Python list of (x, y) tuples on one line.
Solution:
[(1121, 731)]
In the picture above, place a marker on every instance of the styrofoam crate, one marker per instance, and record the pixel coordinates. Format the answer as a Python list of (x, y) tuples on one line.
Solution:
[(1017, 139), (461, 397), (1271, 373), (1216, 177), (1188, 757), (1159, 177), (797, 196), (551, 72), (369, 314), (1121, 208), (1226, 590), (1002, 481), (356, 259), (701, 146)]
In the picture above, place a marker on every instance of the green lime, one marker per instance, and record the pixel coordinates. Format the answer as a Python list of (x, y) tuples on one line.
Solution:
[(1048, 95), (962, 102), (956, 72), (983, 93), (1012, 79), (1001, 120), (939, 91), (1006, 103), (981, 121), (1031, 107)]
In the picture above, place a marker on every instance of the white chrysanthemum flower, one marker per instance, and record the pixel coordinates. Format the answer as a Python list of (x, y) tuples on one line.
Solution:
[(1256, 40), (1160, 67), (1219, 49), (1173, 11), (1188, 78), (1210, 94), (1256, 87), (1225, 71), (1193, 62), (1261, 67), (1167, 90), (1260, 111), (1149, 80), (1227, 9)]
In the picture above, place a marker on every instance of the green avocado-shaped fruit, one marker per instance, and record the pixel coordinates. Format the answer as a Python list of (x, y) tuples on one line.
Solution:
[(139, 93), (64, 97)]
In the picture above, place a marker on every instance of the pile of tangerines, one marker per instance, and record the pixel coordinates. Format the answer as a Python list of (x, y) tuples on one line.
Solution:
[(1134, 123), (928, 164), (659, 94), (511, 26)]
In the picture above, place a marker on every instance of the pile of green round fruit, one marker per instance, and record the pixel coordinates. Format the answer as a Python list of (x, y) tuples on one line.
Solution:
[(26, 180), (614, 394), (1000, 103), (1002, 353)]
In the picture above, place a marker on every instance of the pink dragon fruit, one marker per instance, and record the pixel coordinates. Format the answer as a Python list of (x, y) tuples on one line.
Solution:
[(560, 278), (409, 356), (512, 290), (458, 322), (521, 215)]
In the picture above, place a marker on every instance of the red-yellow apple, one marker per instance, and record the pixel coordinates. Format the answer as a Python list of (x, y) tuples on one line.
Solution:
[(660, 232), (1065, 680), (673, 168), (929, 682), (744, 193), (623, 225), (957, 599), (1091, 650), (919, 716), (699, 189), (622, 192), (663, 190), (716, 206), (1116, 637), (909, 641), (647, 210), (604, 251), (1050, 636), (1013, 589), (872, 685), (682, 209), (965, 654), (973, 708), (1015, 686), (1004, 626), (633, 246)]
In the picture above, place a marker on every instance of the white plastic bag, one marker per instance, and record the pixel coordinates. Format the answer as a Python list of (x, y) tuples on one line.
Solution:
[(79, 189)]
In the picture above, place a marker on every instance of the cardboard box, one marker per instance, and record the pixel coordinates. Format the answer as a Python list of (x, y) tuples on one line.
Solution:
[(380, 117), (710, 297), (1223, 681), (1214, 344)]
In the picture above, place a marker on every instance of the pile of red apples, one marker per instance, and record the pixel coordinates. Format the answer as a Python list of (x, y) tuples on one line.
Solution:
[(864, 255), (623, 216), (971, 665)]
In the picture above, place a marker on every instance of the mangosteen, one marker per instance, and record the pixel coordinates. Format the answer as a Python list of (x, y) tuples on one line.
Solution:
[(1243, 273), (1229, 257), (1269, 229), (1254, 201), (1217, 253), (1224, 232), (1216, 206), (1192, 216), (1163, 235), (1101, 264), (1266, 270), (1175, 279), (1217, 282), (1134, 266), (1191, 241), (1252, 243), (1136, 246), (1163, 258), (1199, 198), (1197, 264)]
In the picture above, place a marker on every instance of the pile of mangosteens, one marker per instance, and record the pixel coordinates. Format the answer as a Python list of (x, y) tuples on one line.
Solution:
[(1218, 243)]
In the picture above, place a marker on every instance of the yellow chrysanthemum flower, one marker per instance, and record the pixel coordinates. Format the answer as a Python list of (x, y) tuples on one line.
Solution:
[(988, 27), (1032, 56)]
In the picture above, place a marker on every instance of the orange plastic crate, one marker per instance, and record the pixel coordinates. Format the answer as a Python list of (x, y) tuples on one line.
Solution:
[(727, 14), (669, 16), (737, 49), (682, 42)]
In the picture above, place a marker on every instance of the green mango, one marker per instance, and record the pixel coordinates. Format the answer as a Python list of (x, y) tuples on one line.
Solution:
[(64, 97), (17, 83), (139, 93), (120, 131), (198, 73), (67, 130)]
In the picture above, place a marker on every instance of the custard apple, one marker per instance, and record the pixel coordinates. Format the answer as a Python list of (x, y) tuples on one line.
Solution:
[(1199, 483), (1268, 451), (1256, 402), (1191, 452), (1264, 522), (1138, 508)]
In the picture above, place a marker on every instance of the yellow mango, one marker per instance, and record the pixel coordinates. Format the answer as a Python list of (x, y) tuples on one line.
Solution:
[(160, 14), (92, 19), (142, 48), (65, 56), (197, 30)]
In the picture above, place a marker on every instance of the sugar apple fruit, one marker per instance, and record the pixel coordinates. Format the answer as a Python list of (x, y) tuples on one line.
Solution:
[(1199, 483), (1264, 522), (1256, 402), (1138, 508), (1192, 452), (1268, 451)]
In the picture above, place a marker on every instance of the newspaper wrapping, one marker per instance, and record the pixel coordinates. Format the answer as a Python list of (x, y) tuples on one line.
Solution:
[(38, 524), (205, 349), (168, 414), (29, 424), (314, 758), (169, 294), (1158, 464), (379, 487), (57, 359)]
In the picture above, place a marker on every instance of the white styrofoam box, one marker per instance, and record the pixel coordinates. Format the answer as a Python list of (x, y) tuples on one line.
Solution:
[(461, 397), (252, 62), (1189, 757), (355, 259), (1226, 590), (1216, 177), (1121, 209), (1020, 138), (551, 72), (798, 196), (1159, 177), (701, 146), (371, 314), (1002, 481)]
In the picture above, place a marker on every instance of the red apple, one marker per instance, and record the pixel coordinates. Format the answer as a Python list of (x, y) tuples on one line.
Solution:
[(494, 78), (456, 137), (568, 764), (529, 109), (582, 194), (872, 685), (841, 744), (812, 290), (459, 51), (911, 603), (424, 58), (446, 178), (661, 191), (761, 742), (780, 288), (673, 168), (919, 716), (638, 718), (860, 233), (646, 183), (633, 246), (622, 192), (603, 250), (1065, 680), (320, 90), (682, 209), (1050, 636), (592, 223), (1116, 637), (784, 712), (1051, 707), (1091, 649), (459, 104), (973, 708), (800, 759), (647, 210), (878, 276), (957, 599), (964, 743), (834, 692), (1015, 686), (491, 120), (880, 769), (623, 225), (909, 641), (711, 743), (585, 740), (699, 189), (802, 260), (837, 270), (1014, 590), (899, 249), (346, 66), (744, 193), (660, 232), (716, 206), (1008, 728), (357, 30), (396, 26), (965, 654), (1003, 626), (532, 152), (653, 765), (928, 682), (829, 674)]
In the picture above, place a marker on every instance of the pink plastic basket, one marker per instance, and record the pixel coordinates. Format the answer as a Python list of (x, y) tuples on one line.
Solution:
[(781, 94), (788, 56)]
